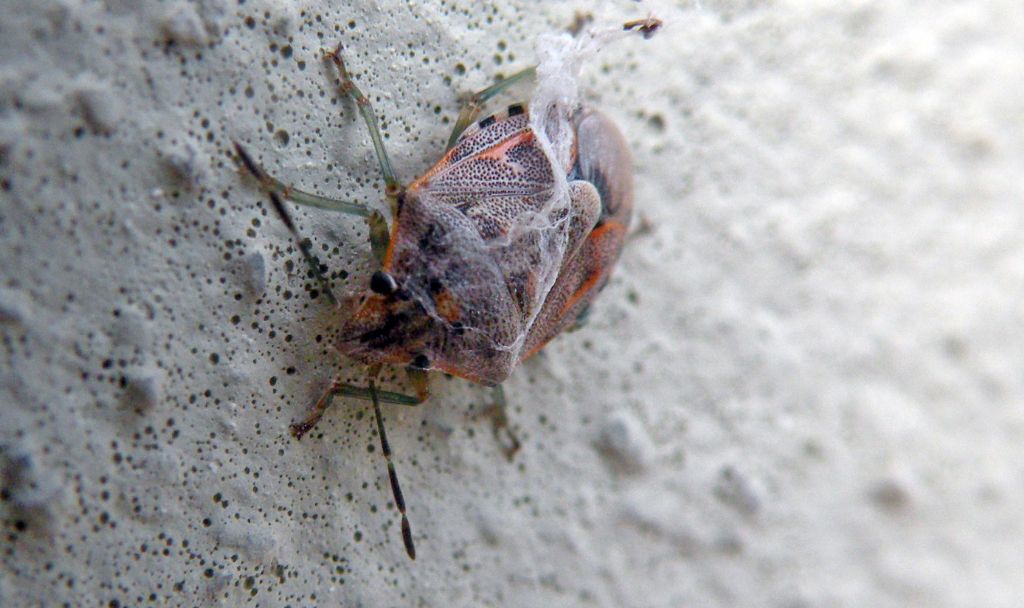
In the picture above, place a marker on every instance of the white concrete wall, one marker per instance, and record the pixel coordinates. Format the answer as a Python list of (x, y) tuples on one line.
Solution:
[(802, 387)]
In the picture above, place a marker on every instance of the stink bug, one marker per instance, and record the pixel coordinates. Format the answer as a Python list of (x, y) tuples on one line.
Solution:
[(491, 253)]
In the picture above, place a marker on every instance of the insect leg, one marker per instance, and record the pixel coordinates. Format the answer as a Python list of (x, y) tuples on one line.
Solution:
[(359, 392), (274, 186), (420, 382), (301, 428), (499, 417), (338, 388), (349, 88), (305, 246), (347, 390), (472, 106)]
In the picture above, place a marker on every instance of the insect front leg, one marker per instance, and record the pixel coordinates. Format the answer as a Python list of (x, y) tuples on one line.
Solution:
[(420, 382), (375, 396), (475, 102), (343, 389)]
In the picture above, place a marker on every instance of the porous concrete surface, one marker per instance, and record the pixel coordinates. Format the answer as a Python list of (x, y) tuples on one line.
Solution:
[(802, 387)]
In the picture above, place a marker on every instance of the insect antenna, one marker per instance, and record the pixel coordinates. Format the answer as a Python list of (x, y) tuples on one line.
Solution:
[(305, 246), (396, 490)]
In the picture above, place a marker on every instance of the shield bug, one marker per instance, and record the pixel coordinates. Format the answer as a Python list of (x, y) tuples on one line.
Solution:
[(490, 254)]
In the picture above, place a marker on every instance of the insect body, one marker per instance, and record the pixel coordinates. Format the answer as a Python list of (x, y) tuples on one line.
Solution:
[(490, 254), (482, 269)]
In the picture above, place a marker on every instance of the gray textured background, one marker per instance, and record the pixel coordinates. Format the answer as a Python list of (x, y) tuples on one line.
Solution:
[(801, 388)]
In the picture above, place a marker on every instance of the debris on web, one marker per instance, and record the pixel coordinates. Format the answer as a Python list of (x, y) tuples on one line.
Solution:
[(560, 57), (556, 100)]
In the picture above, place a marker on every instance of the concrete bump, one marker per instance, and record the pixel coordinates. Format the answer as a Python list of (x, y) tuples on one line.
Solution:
[(738, 490), (35, 494), (624, 443), (182, 25), (254, 273), (101, 109), (142, 391), (15, 307), (183, 163)]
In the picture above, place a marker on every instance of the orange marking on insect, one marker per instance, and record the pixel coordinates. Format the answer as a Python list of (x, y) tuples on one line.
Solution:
[(459, 372), (389, 253), (495, 152), (590, 283), (598, 272), (370, 309), (498, 151), (447, 305)]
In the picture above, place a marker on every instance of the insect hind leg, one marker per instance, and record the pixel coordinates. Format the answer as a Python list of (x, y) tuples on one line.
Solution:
[(475, 102), (348, 87)]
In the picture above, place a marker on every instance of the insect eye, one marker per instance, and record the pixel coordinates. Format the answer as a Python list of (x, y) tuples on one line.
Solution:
[(421, 361), (383, 283)]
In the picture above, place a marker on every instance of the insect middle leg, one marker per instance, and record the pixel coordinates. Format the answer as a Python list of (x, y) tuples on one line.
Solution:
[(498, 413), (273, 185), (475, 102), (277, 189)]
